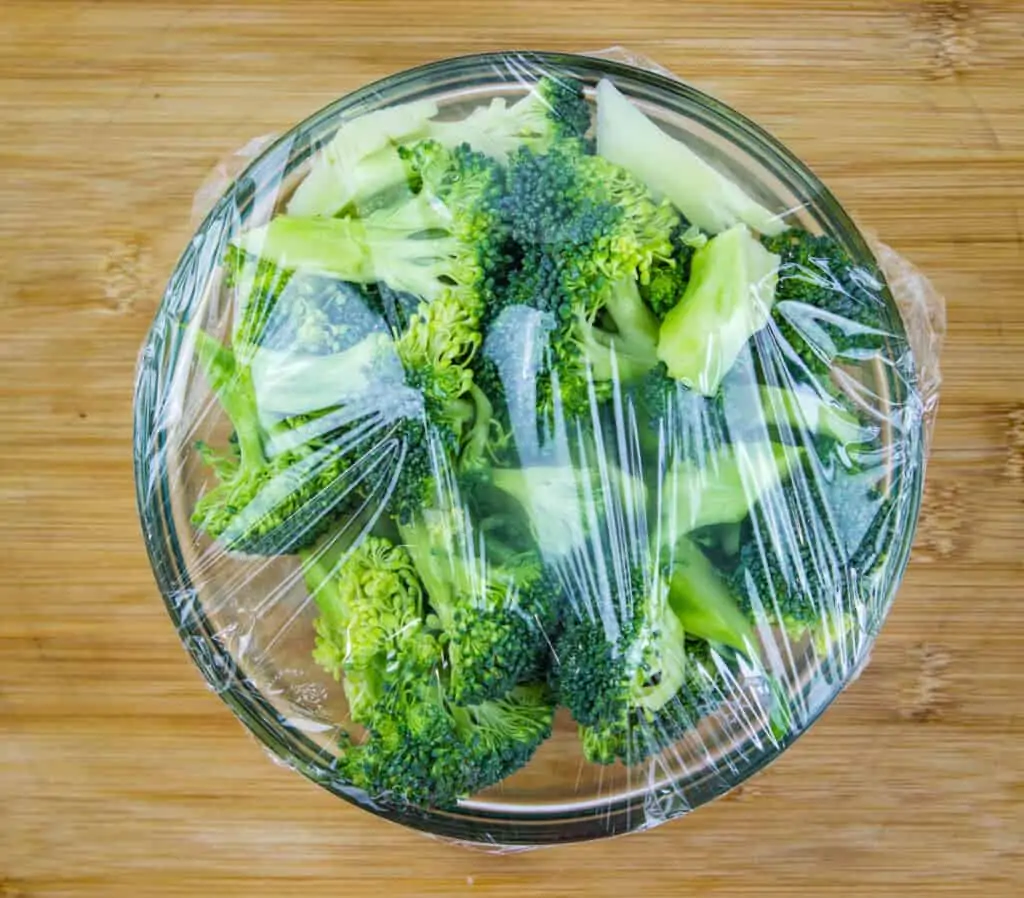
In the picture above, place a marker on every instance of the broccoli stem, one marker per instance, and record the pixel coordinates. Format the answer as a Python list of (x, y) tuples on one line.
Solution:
[(233, 387), (724, 488), (429, 562), (479, 435), (704, 603), (728, 299)]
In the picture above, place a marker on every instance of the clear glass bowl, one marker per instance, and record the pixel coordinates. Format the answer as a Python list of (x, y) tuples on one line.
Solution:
[(246, 626)]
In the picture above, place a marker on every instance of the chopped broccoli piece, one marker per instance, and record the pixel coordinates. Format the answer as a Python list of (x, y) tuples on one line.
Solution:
[(267, 504), (829, 307), (669, 277), (722, 488), (671, 169), (495, 618), (620, 662), (728, 298), (372, 611), (423, 750), (363, 161)]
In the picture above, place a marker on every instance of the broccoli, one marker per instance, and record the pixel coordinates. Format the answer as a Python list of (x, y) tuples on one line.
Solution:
[(828, 307), (570, 504), (267, 504), (642, 667), (728, 298), (675, 422), (669, 277), (423, 750), (374, 633), (704, 602), (546, 420), (711, 680), (670, 168), (619, 660), (588, 234), (372, 612), (495, 617), (363, 162), (256, 285), (439, 241), (720, 488), (794, 572), (554, 111)]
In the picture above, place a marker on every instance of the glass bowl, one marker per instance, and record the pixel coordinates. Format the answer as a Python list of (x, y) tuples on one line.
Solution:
[(246, 625)]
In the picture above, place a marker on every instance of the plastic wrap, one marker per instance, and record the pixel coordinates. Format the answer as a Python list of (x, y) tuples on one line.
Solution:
[(529, 448)]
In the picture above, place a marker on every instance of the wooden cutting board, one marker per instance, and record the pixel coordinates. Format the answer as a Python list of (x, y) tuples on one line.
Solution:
[(122, 775)]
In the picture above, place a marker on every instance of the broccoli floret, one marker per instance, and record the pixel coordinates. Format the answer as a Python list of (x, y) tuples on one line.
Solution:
[(619, 662), (794, 571), (442, 240), (495, 617), (596, 223), (425, 751), (704, 602), (587, 234), (828, 306), (442, 246), (728, 298), (373, 632), (256, 284), (267, 504), (361, 161), (675, 422), (372, 612), (711, 679)]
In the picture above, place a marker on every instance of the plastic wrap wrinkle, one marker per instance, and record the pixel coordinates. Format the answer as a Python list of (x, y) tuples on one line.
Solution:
[(493, 493)]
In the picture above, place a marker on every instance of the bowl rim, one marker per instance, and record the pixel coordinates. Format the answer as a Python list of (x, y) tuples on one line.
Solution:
[(633, 812)]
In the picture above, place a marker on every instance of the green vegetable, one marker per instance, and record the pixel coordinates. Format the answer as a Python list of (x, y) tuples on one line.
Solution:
[(363, 160), (616, 668), (671, 169), (704, 602), (829, 308), (721, 488), (494, 618), (728, 299), (267, 504)]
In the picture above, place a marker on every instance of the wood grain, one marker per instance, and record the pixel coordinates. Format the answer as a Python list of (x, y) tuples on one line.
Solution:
[(121, 775)]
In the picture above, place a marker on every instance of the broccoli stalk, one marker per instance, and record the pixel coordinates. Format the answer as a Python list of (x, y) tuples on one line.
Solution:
[(671, 169), (704, 602), (722, 488), (623, 350), (728, 299), (361, 160), (565, 503)]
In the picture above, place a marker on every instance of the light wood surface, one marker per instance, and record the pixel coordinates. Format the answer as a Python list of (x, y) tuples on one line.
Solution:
[(122, 775)]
